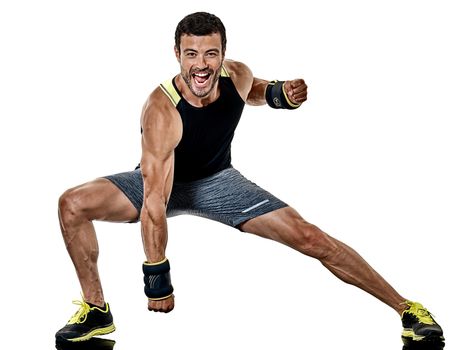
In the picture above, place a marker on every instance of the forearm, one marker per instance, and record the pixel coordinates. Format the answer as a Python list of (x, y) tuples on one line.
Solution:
[(256, 97), (156, 269), (157, 179), (154, 230)]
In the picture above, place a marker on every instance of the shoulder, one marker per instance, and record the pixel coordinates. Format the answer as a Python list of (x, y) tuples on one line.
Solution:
[(241, 76), (159, 114), (237, 69), (158, 104)]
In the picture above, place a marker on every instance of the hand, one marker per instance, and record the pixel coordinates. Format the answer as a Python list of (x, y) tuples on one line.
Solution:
[(165, 305), (296, 90)]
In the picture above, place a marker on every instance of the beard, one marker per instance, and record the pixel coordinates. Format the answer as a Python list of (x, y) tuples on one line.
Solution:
[(191, 81)]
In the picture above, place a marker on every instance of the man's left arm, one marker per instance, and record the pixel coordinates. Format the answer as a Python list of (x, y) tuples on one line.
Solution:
[(288, 94)]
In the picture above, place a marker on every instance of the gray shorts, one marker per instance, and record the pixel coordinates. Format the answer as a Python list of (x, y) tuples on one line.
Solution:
[(227, 196)]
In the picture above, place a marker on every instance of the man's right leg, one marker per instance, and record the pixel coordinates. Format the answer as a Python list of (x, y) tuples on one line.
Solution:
[(78, 208)]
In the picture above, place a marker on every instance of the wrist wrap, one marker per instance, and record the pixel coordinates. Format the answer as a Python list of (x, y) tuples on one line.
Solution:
[(276, 96), (157, 283)]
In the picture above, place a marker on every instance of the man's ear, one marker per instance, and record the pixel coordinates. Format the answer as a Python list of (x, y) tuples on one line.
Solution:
[(177, 53)]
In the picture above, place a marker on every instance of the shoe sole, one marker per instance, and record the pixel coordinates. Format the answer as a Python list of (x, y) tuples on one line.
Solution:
[(93, 333), (428, 342)]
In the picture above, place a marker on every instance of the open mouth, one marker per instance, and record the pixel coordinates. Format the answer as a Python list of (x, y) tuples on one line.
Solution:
[(201, 78)]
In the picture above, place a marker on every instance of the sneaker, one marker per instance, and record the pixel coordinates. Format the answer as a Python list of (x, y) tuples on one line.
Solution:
[(86, 323), (419, 325)]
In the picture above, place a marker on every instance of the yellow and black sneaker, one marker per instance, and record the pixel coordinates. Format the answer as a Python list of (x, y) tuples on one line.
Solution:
[(419, 325), (86, 323)]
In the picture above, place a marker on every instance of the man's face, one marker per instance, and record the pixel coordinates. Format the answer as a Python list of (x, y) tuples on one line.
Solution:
[(200, 59)]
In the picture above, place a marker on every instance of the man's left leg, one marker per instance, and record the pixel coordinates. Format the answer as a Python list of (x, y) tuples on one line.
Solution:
[(286, 226)]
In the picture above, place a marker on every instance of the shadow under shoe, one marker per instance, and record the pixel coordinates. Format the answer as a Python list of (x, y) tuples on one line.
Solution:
[(427, 344), (91, 344), (86, 323)]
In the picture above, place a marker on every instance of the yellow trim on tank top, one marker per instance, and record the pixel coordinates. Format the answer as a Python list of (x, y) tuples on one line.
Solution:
[(168, 89), (224, 72)]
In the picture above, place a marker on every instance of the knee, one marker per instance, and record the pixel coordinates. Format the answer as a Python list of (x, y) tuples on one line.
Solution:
[(70, 207), (312, 241)]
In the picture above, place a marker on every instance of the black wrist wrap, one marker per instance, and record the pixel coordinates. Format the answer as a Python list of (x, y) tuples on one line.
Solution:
[(157, 284), (276, 97)]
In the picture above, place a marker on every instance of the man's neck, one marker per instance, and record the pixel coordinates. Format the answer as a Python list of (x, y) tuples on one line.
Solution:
[(194, 100)]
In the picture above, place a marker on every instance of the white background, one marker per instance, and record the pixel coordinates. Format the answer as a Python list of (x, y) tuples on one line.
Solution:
[(376, 157)]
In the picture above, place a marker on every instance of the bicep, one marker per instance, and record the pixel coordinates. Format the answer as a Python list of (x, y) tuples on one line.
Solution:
[(160, 136)]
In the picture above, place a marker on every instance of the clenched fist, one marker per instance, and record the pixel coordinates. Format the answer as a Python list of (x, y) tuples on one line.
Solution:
[(165, 305), (296, 90)]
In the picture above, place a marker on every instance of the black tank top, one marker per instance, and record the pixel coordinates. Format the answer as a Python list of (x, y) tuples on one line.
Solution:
[(207, 131)]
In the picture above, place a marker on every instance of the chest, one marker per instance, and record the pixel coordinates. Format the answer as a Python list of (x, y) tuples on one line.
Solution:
[(209, 125)]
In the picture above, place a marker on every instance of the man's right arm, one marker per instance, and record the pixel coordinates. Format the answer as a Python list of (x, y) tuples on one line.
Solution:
[(255, 91), (161, 132)]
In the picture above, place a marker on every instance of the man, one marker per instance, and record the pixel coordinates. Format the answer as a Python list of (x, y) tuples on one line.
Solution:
[(187, 127)]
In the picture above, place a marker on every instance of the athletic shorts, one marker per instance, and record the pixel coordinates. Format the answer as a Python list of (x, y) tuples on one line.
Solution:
[(227, 196)]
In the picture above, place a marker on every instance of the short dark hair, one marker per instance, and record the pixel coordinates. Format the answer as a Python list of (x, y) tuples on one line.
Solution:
[(199, 24)]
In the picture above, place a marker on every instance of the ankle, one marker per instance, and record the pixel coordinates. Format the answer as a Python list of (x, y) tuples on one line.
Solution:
[(96, 303), (94, 299), (401, 307)]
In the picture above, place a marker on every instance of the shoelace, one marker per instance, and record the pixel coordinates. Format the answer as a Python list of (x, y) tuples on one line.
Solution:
[(420, 312), (82, 314)]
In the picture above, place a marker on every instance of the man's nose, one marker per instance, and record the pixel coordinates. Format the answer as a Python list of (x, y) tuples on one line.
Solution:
[(201, 62)]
